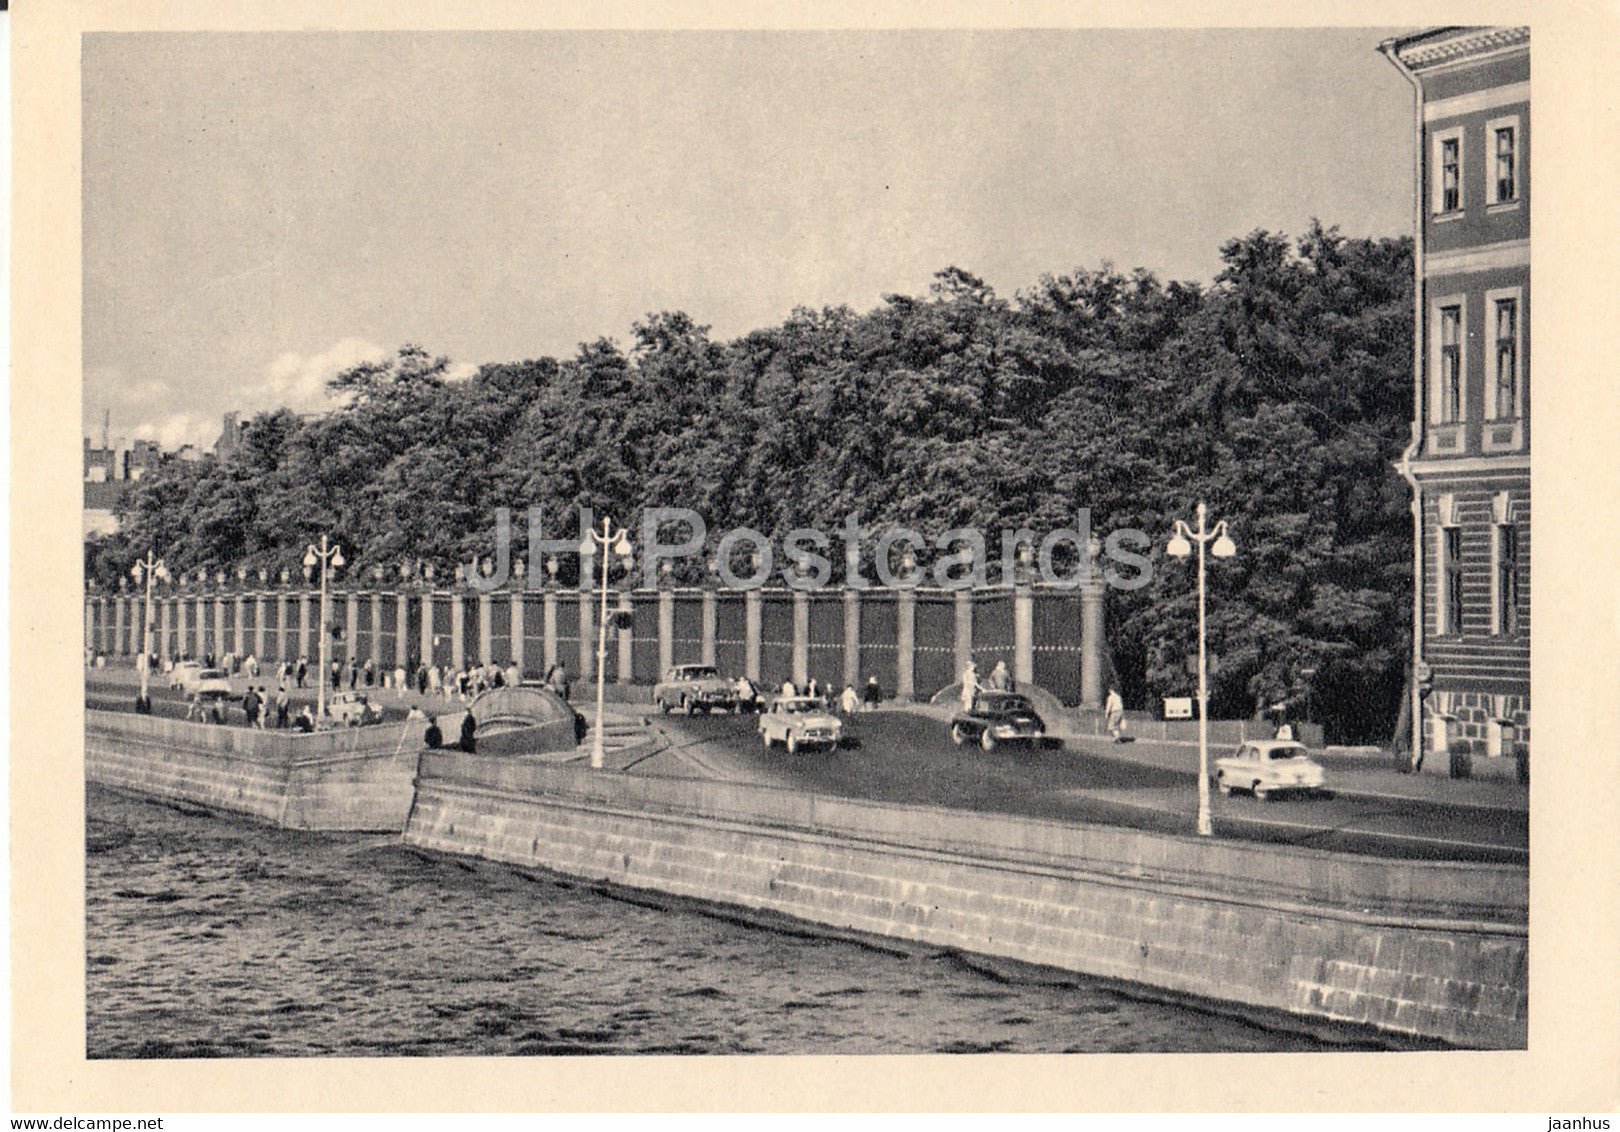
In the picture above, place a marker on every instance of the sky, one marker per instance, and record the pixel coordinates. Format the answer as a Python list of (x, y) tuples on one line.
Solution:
[(263, 210)]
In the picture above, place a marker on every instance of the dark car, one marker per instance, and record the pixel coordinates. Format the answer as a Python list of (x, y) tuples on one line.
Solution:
[(998, 717)]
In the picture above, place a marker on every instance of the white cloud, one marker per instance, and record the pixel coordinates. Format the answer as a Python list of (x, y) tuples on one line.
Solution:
[(299, 383), (460, 371), (176, 429)]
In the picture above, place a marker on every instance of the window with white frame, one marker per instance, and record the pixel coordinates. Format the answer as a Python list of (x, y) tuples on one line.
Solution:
[(1449, 392), (1504, 566), (1504, 392), (1448, 170), (1449, 607), (1502, 182)]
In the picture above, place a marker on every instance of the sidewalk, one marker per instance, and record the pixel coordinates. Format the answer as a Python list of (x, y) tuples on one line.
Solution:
[(1371, 781)]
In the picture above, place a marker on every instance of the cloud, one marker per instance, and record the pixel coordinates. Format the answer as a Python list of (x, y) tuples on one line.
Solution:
[(460, 371), (299, 383), (176, 429)]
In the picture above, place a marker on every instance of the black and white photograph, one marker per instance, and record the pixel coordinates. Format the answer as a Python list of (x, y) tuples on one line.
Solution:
[(741, 542)]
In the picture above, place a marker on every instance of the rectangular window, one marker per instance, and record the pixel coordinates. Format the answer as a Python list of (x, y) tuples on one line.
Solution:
[(1507, 358), (1450, 176), (1450, 375), (1507, 578), (1451, 565), (1506, 184), (1502, 137)]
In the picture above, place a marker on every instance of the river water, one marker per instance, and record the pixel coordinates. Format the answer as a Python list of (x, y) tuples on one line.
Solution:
[(215, 936)]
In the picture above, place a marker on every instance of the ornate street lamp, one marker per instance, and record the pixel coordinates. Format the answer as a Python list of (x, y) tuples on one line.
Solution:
[(148, 570), (1180, 547), (327, 559), (618, 541)]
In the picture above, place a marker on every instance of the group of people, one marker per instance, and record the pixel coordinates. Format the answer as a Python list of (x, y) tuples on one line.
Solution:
[(848, 701), (999, 680)]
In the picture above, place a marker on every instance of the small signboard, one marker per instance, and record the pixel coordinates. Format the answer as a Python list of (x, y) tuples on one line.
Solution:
[(1178, 707)]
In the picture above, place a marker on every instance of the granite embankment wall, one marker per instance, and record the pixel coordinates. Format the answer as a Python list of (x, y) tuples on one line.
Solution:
[(351, 779), (1425, 949)]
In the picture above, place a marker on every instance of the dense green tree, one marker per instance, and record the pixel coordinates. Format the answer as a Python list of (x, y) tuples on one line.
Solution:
[(1278, 394)]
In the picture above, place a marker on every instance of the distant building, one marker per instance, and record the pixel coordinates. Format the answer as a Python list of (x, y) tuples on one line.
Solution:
[(230, 435), (108, 472), (1470, 466)]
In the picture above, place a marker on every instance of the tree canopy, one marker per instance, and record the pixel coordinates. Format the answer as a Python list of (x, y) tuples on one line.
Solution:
[(1279, 394)]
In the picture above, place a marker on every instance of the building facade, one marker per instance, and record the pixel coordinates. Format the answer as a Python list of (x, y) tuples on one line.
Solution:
[(1469, 462)]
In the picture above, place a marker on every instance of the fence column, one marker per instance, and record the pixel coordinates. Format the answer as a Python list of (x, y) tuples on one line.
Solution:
[(587, 635), (486, 647), (627, 670), (90, 623), (514, 617), (963, 637), (1091, 645), (258, 629), (179, 628), (303, 629), (852, 637), (548, 630), (120, 625), (1023, 636), (711, 622), (458, 633), (351, 626), (219, 628), (239, 630), (402, 631), (425, 643), (164, 627), (666, 631), (905, 640), (801, 638), (376, 634), (752, 624)]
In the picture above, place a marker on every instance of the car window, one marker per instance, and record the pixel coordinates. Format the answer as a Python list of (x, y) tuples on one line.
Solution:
[(1284, 752)]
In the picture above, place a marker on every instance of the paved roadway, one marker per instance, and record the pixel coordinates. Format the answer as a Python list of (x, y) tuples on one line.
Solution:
[(908, 757)]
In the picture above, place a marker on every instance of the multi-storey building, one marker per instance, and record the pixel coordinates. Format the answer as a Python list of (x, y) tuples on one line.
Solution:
[(1469, 463)]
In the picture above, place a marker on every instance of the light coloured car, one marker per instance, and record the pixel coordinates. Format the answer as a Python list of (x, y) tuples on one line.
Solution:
[(210, 680), (695, 687), (798, 722), (184, 673), (353, 709), (1265, 767)]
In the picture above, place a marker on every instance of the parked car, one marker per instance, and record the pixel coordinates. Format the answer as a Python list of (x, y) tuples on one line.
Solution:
[(798, 722), (183, 673), (695, 687), (353, 709), (998, 717), (209, 680), (1269, 766)]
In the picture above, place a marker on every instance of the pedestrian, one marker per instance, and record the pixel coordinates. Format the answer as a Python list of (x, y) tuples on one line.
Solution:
[(747, 697), (433, 737), (469, 733), (354, 673), (1000, 679), (306, 720), (788, 689), (433, 678), (850, 701), (399, 679), (970, 685), (514, 674), (250, 705), (421, 680), (371, 673), (874, 694), (303, 670), (1114, 709), (283, 703)]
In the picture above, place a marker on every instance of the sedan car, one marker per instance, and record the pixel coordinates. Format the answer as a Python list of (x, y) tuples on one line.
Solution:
[(184, 673), (798, 722), (998, 717), (353, 709), (695, 687), (1269, 766)]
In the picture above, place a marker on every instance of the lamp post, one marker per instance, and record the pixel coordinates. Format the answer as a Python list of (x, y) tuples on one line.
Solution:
[(617, 541), (328, 559), (1180, 547), (148, 569)]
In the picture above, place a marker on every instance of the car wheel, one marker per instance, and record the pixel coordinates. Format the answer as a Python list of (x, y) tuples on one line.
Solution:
[(959, 734), (686, 706), (1224, 786), (793, 744), (987, 741), (663, 706), (1260, 792)]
